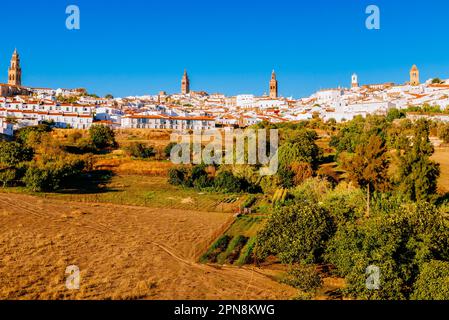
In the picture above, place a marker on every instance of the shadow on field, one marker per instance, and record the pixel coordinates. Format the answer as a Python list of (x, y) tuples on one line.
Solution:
[(94, 182)]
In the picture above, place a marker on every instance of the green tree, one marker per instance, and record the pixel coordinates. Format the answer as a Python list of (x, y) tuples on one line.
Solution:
[(432, 282), (140, 150), (102, 137), (418, 174), (398, 241), (296, 233), (368, 167), (226, 182), (7, 176), (13, 153), (443, 132)]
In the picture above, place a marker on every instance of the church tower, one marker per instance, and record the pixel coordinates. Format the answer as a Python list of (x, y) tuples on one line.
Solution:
[(273, 86), (14, 71), (185, 83), (414, 76), (354, 81)]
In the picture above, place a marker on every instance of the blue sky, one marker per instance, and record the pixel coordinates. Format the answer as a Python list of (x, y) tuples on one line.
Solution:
[(142, 46)]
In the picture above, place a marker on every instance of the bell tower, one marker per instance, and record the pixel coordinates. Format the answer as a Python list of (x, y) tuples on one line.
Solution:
[(185, 83), (354, 81), (14, 71), (414, 76), (273, 86)]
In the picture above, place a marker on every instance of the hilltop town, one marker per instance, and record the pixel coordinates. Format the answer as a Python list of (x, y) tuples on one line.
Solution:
[(22, 106)]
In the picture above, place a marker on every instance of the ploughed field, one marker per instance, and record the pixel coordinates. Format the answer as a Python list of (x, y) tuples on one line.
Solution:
[(123, 252)]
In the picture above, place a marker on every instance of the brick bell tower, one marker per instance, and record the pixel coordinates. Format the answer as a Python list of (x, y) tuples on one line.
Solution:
[(273, 86), (414, 76), (185, 83), (14, 71)]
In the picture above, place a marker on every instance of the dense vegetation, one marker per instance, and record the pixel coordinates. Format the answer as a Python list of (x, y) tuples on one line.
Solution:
[(39, 162), (385, 212)]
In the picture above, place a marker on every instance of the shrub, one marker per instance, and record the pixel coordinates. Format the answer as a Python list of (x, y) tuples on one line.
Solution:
[(7, 176), (443, 132), (400, 243), (432, 282), (167, 150), (12, 153), (140, 150), (52, 176), (102, 137), (303, 277), (178, 176), (296, 233), (228, 183)]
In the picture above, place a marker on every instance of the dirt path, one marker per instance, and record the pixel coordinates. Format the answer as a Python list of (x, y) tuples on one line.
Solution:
[(123, 252)]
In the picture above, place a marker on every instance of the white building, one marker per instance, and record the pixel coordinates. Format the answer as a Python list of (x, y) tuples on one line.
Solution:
[(245, 101)]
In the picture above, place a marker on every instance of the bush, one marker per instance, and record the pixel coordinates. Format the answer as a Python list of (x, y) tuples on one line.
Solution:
[(443, 133), (52, 176), (226, 182), (400, 242), (167, 150), (140, 150), (7, 176), (296, 233), (178, 176), (304, 278), (102, 137), (12, 153), (432, 282)]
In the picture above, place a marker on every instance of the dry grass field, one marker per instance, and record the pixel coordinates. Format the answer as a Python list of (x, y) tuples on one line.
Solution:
[(441, 156), (123, 252)]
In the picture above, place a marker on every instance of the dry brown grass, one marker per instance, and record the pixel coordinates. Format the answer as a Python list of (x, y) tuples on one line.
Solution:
[(128, 166), (441, 156), (123, 252)]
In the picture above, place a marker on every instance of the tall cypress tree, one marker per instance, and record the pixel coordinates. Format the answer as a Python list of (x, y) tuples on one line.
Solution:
[(418, 173)]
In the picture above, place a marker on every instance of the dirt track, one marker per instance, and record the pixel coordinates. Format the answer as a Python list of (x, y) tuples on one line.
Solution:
[(123, 252)]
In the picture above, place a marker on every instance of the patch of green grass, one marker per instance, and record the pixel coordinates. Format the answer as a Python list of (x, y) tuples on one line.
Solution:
[(232, 252), (144, 191), (246, 252), (216, 249)]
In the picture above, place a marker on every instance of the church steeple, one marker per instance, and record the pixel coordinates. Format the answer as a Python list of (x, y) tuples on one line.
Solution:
[(273, 86), (185, 83), (14, 71)]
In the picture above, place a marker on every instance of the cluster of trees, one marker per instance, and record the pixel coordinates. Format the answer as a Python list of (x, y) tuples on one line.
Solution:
[(38, 161), (386, 213), (370, 149), (207, 178), (408, 241)]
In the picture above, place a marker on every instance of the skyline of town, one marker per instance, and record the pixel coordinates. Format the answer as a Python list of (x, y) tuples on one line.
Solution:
[(266, 90)]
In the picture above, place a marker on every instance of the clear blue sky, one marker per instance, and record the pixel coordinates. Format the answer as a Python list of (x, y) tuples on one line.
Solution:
[(142, 46)]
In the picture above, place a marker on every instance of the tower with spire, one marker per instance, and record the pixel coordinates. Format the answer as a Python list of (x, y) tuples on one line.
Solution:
[(273, 86), (185, 83), (14, 71)]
